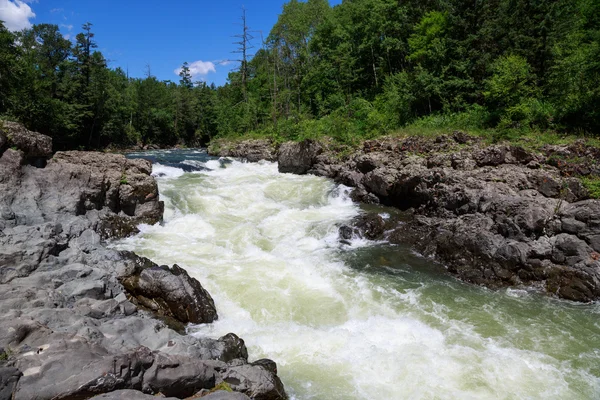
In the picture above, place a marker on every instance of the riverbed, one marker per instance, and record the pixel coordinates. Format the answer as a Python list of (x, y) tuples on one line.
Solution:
[(363, 320)]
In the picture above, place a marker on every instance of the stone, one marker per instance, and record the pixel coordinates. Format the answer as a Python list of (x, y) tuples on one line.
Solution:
[(171, 292), (128, 394), (298, 158), (9, 378), (254, 381), (68, 326), (32, 144)]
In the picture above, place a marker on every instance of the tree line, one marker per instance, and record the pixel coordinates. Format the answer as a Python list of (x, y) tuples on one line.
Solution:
[(356, 70), (66, 90)]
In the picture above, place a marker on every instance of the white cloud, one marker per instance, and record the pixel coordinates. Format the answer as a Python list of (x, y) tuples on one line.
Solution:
[(15, 14), (199, 68), (69, 27)]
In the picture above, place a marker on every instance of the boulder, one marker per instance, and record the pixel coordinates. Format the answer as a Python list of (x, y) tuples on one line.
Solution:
[(298, 158), (172, 293), (32, 144), (255, 381)]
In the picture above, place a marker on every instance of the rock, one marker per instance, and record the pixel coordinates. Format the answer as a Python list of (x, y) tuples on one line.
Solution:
[(493, 155), (128, 394), (234, 348), (3, 140), (251, 150), (66, 320), (298, 158), (461, 137), (32, 144), (171, 292), (9, 378), (371, 226), (178, 377), (254, 381), (494, 215), (224, 395)]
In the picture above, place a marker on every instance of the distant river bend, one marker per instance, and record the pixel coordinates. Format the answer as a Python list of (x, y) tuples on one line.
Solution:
[(359, 321)]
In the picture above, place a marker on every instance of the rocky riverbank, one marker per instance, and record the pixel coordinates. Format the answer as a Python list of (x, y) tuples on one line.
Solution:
[(493, 215), (79, 320)]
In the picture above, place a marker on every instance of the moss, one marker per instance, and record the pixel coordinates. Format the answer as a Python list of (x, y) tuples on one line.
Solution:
[(123, 180), (592, 184), (222, 386)]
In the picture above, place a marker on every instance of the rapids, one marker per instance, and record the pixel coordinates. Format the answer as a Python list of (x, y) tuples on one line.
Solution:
[(360, 321)]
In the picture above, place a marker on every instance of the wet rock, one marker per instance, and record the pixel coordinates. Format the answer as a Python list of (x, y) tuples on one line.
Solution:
[(371, 226), (298, 158), (171, 292), (233, 348), (254, 381)]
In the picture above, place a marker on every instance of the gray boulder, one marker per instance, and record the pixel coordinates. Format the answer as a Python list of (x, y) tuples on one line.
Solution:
[(9, 377), (172, 293), (298, 158), (33, 144)]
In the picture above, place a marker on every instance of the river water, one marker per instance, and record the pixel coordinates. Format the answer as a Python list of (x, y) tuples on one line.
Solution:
[(360, 321)]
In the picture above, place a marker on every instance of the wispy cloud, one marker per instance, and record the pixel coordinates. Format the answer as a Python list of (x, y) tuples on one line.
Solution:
[(224, 62), (199, 69), (56, 10), (69, 27), (16, 14)]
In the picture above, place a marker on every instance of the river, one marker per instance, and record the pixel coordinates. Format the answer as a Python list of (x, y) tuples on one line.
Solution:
[(360, 321)]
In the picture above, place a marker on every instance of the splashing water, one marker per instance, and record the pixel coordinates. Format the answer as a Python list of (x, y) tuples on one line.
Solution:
[(364, 321)]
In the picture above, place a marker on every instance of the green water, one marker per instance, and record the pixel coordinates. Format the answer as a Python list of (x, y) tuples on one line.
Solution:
[(365, 321)]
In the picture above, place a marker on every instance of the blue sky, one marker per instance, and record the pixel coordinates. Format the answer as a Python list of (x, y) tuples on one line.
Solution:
[(162, 34)]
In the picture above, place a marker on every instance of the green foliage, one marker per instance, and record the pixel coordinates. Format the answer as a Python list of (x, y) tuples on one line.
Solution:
[(475, 118), (349, 72), (511, 82)]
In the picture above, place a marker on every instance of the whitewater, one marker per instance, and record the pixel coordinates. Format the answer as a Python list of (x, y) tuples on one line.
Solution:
[(362, 320)]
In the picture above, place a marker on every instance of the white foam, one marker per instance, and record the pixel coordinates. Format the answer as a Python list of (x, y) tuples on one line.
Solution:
[(159, 170), (266, 246)]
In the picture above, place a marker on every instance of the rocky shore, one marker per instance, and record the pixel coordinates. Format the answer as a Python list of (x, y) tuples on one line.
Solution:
[(79, 320), (495, 215)]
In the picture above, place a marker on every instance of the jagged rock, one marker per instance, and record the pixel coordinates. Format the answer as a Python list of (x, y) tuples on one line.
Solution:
[(251, 150), (298, 158), (171, 292), (66, 320), (9, 378), (178, 376), (255, 381), (234, 348), (32, 144)]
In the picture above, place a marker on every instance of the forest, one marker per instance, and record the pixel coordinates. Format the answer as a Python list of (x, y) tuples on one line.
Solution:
[(353, 71)]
